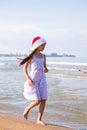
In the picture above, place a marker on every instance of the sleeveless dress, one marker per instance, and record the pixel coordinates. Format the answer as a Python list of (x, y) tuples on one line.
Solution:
[(39, 89)]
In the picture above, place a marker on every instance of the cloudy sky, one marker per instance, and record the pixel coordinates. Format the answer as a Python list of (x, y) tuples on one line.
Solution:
[(63, 24)]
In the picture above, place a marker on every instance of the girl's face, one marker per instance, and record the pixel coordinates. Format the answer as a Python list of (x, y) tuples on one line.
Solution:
[(41, 47)]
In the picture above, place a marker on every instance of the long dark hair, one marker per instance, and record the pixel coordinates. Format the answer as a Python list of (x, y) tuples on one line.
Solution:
[(27, 58)]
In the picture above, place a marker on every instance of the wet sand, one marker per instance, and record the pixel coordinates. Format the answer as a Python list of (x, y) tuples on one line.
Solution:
[(12, 122)]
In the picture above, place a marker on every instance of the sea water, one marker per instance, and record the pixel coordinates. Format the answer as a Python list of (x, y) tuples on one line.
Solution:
[(67, 91)]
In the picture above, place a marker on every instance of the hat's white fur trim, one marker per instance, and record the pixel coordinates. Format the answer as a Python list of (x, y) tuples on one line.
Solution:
[(38, 43)]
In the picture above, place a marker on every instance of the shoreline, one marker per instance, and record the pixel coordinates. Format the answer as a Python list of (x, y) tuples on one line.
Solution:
[(15, 122)]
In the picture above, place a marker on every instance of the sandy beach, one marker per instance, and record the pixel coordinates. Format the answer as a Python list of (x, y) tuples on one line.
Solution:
[(12, 122)]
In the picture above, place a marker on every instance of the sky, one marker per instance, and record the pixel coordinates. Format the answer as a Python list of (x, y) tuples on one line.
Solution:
[(62, 23)]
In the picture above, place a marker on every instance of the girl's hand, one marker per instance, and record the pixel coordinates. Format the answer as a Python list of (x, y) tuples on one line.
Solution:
[(30, 82), (45, 70)]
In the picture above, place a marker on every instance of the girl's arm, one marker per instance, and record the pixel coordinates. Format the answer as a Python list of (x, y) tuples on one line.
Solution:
[(26, 72), (45, 66)]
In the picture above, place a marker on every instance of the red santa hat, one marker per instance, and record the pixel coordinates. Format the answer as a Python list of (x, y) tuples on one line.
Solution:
[(37, 41)]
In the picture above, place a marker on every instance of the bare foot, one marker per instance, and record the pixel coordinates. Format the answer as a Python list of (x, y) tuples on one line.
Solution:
[(25, 114), (40, 122)]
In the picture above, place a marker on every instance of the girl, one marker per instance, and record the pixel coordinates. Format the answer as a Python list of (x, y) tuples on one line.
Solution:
[(35, 87)]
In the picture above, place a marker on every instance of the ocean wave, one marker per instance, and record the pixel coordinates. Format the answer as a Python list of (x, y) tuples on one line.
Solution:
[(68, 63), (61, 68), (2, 63), (66, 75)]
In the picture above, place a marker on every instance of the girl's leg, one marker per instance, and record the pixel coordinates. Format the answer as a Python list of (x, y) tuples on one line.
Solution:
[(40, 113), (28, 108)]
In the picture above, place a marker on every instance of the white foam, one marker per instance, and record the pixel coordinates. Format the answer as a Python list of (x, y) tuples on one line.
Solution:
[(68, 63), (2, 63)]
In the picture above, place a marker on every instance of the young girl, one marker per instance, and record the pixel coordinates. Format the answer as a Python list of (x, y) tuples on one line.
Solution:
[(35, 88)]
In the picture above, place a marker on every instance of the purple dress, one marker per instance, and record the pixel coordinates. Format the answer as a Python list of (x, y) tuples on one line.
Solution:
[(39, 89)]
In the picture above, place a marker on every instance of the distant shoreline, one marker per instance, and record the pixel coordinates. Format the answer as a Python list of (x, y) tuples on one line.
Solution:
[(48, 55)]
